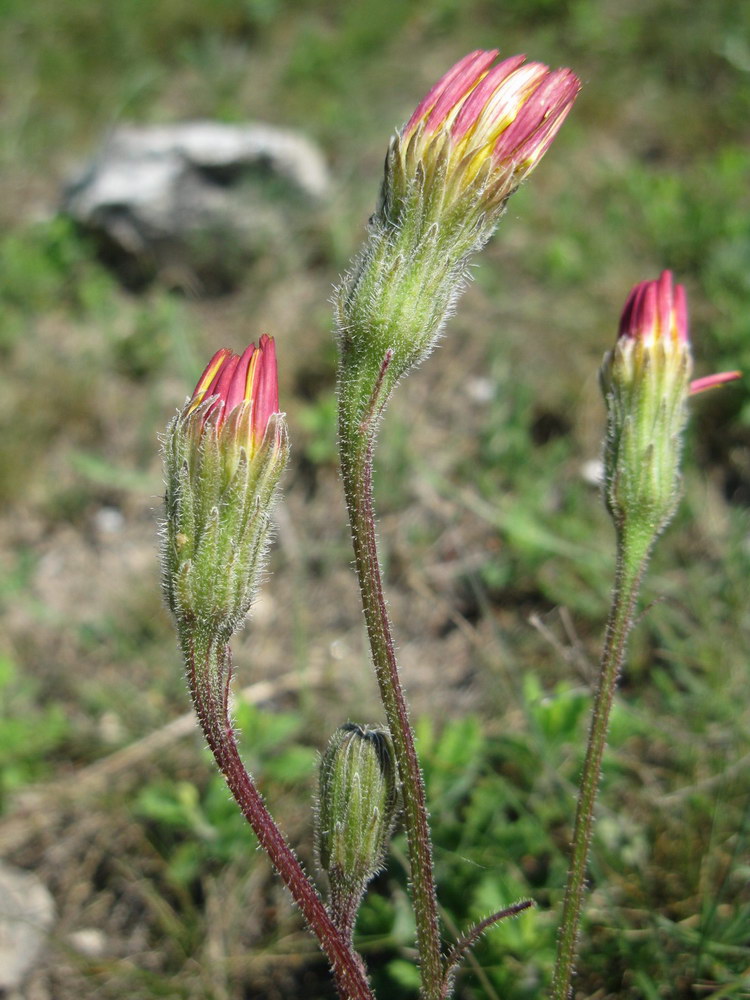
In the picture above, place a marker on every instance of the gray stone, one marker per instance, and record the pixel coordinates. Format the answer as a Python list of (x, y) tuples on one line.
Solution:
[(199, 198), (27, 912)]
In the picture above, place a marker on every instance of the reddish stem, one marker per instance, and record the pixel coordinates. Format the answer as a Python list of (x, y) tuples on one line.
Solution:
[(356, 460), (212, 677)]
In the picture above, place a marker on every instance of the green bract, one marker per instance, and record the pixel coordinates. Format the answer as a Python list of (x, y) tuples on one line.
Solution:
[(646, 387), (357, 805), (217, 520)]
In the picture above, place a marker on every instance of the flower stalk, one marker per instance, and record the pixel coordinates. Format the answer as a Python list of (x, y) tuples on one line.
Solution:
[(224, 455), (448, 175), (646, 383), (630, 568), (356, 463), (214, 718)]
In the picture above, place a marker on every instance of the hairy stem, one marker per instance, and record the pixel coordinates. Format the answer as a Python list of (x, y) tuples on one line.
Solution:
[(343, 907), (631, 562), (356, 462), (209, 675)]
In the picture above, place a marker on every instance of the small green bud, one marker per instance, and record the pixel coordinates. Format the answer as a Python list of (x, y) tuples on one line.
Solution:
[(357, 806)]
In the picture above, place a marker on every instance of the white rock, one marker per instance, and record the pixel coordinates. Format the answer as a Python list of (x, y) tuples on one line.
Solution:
[(162, 193)]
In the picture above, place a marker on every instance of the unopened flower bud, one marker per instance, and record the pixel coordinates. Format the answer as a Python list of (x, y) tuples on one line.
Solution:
[(224, 455), (357, 806), (646, 383), (477, 134)]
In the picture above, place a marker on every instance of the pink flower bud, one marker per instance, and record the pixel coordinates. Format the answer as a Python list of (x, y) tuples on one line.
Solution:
[(656, 313), (504, 116), (230, 381), (646, 383), (224, 455)]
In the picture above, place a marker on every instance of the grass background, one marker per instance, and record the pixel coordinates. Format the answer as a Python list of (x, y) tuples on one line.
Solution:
[(498, 553)]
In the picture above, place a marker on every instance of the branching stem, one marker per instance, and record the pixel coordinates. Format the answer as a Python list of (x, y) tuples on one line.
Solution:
[(464, 945), (209, 675)]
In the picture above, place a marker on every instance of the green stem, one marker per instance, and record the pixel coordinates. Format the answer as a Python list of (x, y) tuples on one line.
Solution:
[(209, 670), (631, 563), (356, 441)]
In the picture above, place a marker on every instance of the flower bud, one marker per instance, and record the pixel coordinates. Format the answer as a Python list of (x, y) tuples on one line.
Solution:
[(477, 134), (224, 455), (646, 383), (357, 805), (448, 174)]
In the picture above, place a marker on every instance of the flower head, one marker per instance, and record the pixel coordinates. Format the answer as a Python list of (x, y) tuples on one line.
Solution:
[(224, 454), (240, 388), (655, 315), (448, 174), (485, 125), (646, 384)]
